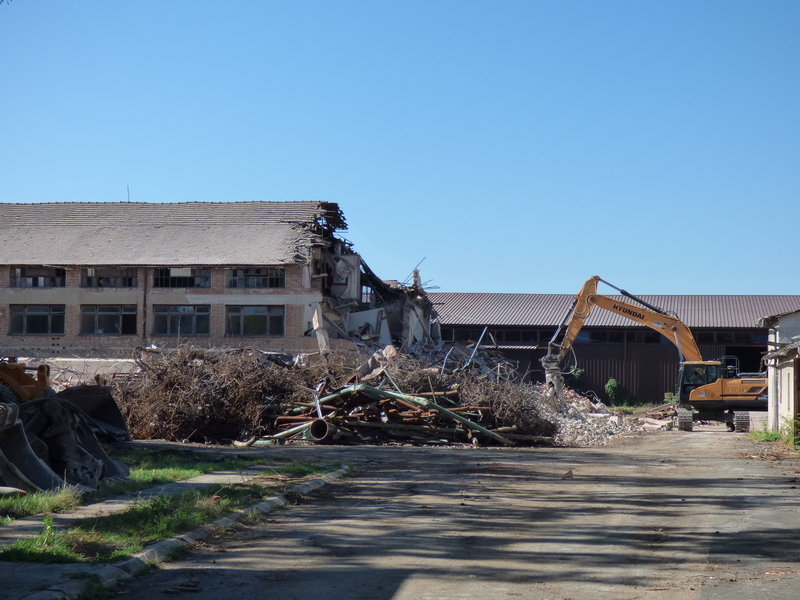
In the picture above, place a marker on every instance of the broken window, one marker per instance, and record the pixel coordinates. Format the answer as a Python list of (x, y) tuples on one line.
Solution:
[(261, 277), (29, 277), (182, 278), (36, 319), (181, 319), (725, 337), (245, 321), (108, 319), (109, 277)]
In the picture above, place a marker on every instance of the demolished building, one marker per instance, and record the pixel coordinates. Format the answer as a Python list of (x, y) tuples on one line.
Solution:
[(99, 279)]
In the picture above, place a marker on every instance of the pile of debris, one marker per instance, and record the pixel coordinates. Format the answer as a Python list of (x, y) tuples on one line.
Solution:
[(421, 395)]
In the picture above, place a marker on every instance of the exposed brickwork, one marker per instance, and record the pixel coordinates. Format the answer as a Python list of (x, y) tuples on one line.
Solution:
[(145, 296)]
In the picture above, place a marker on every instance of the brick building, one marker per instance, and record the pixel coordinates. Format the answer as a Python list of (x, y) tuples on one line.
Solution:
[(100, 279)]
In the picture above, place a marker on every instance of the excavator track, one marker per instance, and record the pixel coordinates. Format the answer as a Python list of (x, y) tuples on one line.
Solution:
[(685, 419), (741, 421)]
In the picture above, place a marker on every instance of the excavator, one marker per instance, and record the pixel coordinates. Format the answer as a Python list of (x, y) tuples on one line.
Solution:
[(707, 390), (49, 440)]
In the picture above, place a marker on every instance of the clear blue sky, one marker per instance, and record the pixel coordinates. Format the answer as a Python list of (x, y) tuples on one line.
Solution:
[(515, 146)]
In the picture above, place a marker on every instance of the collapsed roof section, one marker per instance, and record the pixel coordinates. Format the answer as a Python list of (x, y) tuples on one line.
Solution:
[(360, 306)]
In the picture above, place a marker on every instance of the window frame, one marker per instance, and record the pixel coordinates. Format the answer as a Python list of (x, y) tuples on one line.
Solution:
[(199, 278), (176, 315), (237, 320), (109, 277), (54, 277), (55, 315), (239, 278), (125, 317)]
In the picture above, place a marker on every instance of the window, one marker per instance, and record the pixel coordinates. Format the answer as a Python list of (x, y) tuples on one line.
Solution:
[(647, 336), (108, 320), (616, 337), (264, 277), (28, 277), (36, 319), (705, 337), (463, 335), (653, 337), (255, 320), (546, 335), (182, 278), (114, 278), (181, 320), (724, 337)]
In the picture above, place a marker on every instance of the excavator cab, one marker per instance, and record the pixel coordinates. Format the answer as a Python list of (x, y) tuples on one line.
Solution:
[(719, 386), (694, 374)]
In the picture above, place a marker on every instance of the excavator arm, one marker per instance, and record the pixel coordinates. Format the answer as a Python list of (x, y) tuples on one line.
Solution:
[(651, 316)]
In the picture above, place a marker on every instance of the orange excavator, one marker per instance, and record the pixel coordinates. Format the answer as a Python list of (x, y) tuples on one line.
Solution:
[(707, 390)]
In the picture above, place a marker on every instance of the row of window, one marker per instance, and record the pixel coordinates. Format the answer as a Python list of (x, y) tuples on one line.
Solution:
[(168, 320), (250, 278), (611, 336)]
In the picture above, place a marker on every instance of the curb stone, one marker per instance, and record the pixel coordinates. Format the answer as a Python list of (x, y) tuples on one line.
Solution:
[(110, 576)]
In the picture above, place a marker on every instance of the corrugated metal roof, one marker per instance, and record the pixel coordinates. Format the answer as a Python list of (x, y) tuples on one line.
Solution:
[(548, 310), (170, 234)]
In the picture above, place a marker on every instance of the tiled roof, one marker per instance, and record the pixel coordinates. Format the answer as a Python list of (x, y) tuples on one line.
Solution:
[(170, 234), (549, 310)]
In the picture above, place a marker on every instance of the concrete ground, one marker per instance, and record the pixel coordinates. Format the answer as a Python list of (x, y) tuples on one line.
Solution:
[(670, 515)]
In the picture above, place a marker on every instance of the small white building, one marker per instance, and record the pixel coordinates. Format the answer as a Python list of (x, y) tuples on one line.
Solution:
[(783, 369)]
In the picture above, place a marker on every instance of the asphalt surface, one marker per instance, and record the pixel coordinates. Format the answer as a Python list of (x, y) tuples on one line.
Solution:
[(677, 515)]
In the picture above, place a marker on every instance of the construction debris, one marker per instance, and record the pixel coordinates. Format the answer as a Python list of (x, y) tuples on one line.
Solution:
[(417, 395)]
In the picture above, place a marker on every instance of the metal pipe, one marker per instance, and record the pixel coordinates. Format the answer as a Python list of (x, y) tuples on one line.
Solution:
[(421, 402)]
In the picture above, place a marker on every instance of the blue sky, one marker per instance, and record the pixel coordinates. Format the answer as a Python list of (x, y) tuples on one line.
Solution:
[(507, 146)]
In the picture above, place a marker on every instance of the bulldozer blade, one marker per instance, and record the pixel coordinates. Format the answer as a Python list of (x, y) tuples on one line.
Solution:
[(97, 402), (19, 465)]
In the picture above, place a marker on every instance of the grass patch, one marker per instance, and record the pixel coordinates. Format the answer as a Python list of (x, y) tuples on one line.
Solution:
[(113, 537), (152, 467), (149, 467), (57, 501), (765, 436)]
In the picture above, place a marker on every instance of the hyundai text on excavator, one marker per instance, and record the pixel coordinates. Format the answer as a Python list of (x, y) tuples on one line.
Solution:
[(707, 390)]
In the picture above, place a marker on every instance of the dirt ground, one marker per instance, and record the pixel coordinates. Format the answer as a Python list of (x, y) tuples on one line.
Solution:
[(677, 515)]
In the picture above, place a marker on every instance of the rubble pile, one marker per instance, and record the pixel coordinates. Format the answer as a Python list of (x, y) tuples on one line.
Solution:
[(203, 396), (421, 395)]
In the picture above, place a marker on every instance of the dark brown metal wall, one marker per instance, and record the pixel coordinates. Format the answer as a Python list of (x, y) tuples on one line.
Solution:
[(645, 374), (645, 371)]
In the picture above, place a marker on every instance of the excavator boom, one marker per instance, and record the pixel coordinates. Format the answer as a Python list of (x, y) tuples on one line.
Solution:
[(667, 325)]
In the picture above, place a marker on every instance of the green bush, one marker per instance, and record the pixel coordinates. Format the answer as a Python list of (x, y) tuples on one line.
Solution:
[(613, 391)]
